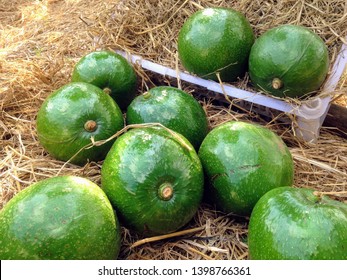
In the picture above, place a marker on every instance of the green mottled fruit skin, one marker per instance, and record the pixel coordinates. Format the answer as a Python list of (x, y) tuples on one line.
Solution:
[(65, 217), (216, 40), (139, 162), (295, 55), (294, 224), (61, 120), (242, 161), (107, 69), (172, 108)]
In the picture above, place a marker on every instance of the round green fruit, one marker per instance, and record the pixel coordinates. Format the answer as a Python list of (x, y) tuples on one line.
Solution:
[(243, 161), (109, 71), (174, 109), (63, 217), (216, 40), (154, 179), (296, 224), (288, 61), (73, 115)]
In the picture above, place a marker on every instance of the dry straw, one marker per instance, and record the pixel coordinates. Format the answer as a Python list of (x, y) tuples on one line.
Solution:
[(40, 41)]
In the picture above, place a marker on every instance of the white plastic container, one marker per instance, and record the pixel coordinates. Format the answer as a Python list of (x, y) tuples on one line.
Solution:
[(308, 116)]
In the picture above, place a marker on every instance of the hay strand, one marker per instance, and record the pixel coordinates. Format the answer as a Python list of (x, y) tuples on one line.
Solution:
[(165, 236)]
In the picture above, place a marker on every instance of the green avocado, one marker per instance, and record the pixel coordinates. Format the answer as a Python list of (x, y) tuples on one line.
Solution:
[(216, 40), (290, 223), (72, 116), (174, 109), (59, 218), (109, 71), (289, 61), (154, 179), (242, 161)]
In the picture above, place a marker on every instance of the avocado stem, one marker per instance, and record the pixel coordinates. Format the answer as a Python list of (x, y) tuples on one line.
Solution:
[(90, 126), (165, 191), (107, 90), (277, 83), (146, 95)]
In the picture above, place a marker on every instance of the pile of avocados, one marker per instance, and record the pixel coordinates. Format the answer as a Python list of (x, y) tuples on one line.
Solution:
[(160, 160)]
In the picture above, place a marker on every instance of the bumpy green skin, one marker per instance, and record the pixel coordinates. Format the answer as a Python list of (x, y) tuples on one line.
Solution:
[(64, 217), (139, 162), (172, 108), (61, 120), (107, 69), (242, 161), (294, 224), (295, 55), (216, 40)]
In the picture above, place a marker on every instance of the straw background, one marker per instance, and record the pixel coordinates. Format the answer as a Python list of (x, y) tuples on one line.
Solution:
[(40, 41)]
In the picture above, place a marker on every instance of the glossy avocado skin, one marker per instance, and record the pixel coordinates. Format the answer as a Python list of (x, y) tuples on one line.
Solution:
[(294, 224), (107, 69), (216, 40), (172, 108), (242, 161), (139, 162), (295, 55), (62, 116), (65, 217)]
